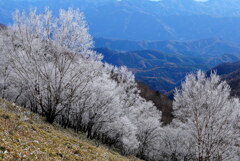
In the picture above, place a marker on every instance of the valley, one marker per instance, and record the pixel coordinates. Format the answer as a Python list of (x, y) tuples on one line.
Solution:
[(109, 80), (165, 66), (161, 42)]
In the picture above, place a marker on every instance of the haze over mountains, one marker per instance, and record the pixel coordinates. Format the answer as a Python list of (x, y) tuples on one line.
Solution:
[(202, 47), (49, 65), (162, 65), (161, 41), (163, 71), (147, 20)]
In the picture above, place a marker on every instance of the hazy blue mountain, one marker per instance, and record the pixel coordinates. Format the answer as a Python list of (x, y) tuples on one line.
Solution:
[(2, 26), (226, 68), (183, 21), (147, 20), (230, 72), (162, 65), (199, 47), (162, 71)]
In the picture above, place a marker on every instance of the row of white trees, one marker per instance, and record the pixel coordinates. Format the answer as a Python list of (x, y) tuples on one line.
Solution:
[(48, 66)]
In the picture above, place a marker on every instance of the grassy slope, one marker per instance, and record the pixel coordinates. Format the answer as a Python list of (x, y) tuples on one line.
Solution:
[(25, 136)]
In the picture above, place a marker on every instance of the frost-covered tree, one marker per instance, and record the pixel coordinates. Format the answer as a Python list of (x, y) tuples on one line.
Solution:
[(45, 53), (121, 133), (48, 66), (175, 144), (4, 70), (204, 109), (9, 85), (143, 114)]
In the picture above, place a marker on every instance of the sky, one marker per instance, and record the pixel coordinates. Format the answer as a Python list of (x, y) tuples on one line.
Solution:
[(194, 0), (201, 0)]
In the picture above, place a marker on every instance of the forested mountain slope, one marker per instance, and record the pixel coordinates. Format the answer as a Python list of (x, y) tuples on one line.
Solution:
[(160, 101), (163, 71)]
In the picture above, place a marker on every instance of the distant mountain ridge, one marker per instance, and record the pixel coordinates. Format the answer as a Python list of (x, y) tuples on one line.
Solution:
[(199, 47), (177, 23), (220, 8), (162, 71), (2, 26), (227, 68), (162, 65), (147, 20), (231, 73)]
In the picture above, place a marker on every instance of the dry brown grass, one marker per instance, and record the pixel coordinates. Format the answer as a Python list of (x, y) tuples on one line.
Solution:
[(25, 136)]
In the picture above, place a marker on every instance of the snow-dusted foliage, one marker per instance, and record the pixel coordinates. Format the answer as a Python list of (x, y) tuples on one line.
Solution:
[(47, 65), (207, 114), (42, 56), (176, 144)]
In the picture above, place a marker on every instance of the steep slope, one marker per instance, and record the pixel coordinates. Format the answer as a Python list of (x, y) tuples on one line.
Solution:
[(25, 136)]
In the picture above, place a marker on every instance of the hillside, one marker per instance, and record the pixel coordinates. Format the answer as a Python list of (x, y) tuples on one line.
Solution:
[(160, 101), (26, 136)]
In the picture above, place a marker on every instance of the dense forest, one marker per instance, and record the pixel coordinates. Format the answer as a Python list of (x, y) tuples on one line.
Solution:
[(47, 65)]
